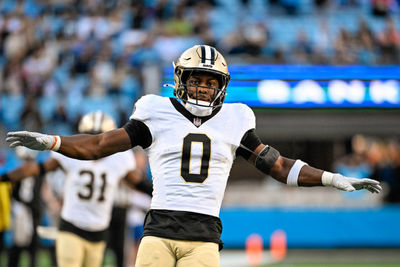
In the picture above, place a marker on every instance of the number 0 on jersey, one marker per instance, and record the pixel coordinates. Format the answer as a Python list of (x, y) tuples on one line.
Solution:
[(188, 141)]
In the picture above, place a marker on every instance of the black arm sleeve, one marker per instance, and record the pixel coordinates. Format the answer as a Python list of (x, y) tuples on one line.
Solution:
[(139, 133), (251, 141), (265, 159)]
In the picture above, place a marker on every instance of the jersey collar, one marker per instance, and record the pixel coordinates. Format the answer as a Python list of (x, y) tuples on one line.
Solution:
[(196, 120)]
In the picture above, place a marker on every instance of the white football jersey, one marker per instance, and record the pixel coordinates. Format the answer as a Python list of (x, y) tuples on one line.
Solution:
[(90, 186), (190, 159)]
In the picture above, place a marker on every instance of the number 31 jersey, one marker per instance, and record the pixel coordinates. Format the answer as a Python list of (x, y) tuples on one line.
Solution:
[(90, 186), (191, 157)]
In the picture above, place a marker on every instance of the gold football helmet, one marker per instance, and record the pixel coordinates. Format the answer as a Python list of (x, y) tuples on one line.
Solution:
[(201, 58), (96, 122)]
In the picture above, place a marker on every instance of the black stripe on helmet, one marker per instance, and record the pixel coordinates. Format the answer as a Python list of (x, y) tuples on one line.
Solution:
[(203, 54), (212, 55)]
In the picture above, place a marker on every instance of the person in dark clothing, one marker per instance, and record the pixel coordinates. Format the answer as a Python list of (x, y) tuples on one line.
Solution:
[(26, 196)]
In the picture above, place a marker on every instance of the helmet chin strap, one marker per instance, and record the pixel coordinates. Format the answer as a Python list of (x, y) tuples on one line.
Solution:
[(198, 110)]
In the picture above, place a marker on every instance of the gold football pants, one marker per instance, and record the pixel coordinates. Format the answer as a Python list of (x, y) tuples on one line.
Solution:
[(74, 251), (162, 252)]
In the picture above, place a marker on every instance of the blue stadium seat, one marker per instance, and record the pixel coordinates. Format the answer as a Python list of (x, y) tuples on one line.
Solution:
[(47, 106), (105, 103), (7, 6), (72, 104), (11, 110)]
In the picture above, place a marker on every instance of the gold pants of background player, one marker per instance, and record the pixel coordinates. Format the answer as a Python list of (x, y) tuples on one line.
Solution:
[(74, 251)]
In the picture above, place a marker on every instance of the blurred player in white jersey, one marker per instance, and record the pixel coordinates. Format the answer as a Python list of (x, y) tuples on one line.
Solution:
[(27, 212), (191, 141), (88, 195)]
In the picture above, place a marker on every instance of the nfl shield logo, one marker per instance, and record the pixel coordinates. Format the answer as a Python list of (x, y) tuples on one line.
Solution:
[(197, 122)]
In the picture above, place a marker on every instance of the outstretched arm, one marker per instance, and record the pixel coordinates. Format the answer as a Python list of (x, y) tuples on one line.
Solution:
[(282, 167), (295, 172), (81, 146), (30, 169), (86, 146)]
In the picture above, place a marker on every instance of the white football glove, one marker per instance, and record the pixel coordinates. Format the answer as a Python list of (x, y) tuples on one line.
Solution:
[(36, 141), (350, 184)]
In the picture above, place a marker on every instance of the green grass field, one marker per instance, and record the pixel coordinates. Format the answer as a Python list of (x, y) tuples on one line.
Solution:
[(319, 258), (301, 258), (313, 264), (44, 260)]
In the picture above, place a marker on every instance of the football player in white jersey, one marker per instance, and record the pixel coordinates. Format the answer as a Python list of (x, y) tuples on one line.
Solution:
[(191, 141), (88, 195)]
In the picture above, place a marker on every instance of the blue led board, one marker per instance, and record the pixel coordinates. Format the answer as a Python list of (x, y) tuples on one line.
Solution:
[(310, 86)]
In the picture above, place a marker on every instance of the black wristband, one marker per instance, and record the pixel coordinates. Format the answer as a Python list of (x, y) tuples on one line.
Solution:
[(5, 178), (42, 170), (145, 186)]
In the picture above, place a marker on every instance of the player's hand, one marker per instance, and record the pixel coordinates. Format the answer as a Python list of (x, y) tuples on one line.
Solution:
[(32, 140), (350, 184)]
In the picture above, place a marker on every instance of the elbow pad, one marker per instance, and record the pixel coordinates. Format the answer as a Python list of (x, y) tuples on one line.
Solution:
[(266, 159)]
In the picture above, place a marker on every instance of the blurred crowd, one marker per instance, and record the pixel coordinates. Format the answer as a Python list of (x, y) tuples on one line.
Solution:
[(61, 59), (376, 158)]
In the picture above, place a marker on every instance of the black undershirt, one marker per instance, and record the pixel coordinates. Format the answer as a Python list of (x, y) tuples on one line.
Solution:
[(92, 236), (183, 225)]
